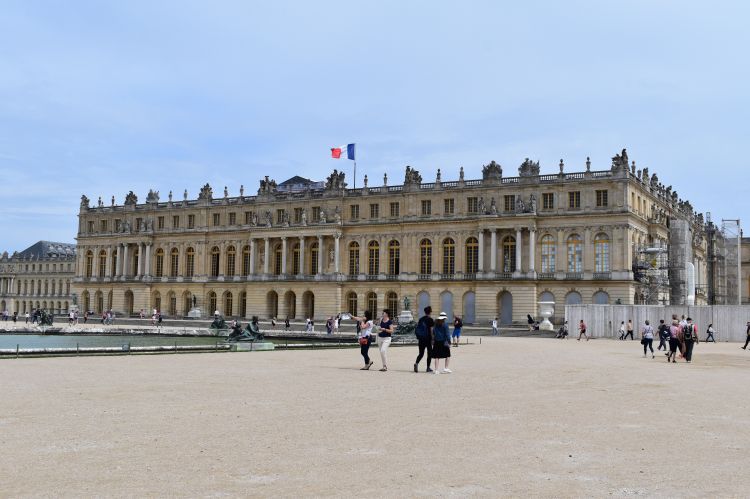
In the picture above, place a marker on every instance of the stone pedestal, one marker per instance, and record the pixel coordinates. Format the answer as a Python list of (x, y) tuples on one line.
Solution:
[(405, 316), (195, 313)]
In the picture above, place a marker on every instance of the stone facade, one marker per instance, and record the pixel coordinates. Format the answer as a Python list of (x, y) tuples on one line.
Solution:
[(38, 277), (480, 248)]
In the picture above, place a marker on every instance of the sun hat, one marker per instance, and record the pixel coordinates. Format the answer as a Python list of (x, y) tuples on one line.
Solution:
[(443, 315)]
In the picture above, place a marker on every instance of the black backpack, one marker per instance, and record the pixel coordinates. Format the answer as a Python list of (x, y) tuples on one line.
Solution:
[(687, 332)]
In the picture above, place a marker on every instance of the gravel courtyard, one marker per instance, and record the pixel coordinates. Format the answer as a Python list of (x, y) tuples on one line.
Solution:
[(517, 417)]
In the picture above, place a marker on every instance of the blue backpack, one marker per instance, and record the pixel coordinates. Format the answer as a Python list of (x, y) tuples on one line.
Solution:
[(421, 329)]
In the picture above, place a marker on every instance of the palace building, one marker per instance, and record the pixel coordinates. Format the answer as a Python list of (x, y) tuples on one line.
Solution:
[(494, 246), (38, 277)]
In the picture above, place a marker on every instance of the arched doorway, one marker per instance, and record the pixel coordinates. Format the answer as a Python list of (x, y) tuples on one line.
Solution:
[(290, 302), (601, 298), (172, 300), (272, 304), (308, 303), (469, 308), (99, 302), (129, 301), (446, 304), (505, 307), (573, 298), (85, 301), (423, 300), (187, 303)]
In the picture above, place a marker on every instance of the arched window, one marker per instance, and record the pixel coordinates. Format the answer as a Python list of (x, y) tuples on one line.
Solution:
[(391, 301), (246, 261), (212, 301), (89, 263), (353, 258), (231, 260), (373, 258), (277, 260), (449, 256), (228, 304), (189, 262), (102, 263), (425, 256), (509, 254), (601, 253), (315, 259), (159, 272), (372, 303), (157, 301), (573, 298), (52, 291), (575, 253), (472, 255), (295, 259), (351, 303), (548, 253), (215, 261), (600, 298), (243, 304), (394, 257), (172, 297), (174, 263), (113, 262)]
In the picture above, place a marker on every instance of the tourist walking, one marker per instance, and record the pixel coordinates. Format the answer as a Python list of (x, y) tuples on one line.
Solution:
[(710, 333), (457, 325), (622, 330), (71, 321), (287, 327), (689, 339), (744, 347), (336, 323), (442, 347), (663, 331), (647, 338), (530, 321), (674, 340), (630, 330), (384, 337), (582, 331), (423, 332), (364, 336), (494, 327), (329, 325)]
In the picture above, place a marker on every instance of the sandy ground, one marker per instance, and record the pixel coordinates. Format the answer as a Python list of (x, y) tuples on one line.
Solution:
[(518, 417)]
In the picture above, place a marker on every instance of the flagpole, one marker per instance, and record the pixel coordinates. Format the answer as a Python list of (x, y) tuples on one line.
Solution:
[(355, 174)]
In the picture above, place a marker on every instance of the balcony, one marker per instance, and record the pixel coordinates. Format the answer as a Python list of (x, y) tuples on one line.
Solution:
[(546, 276), (573, 276), (506, 276), (602, 276), (424, 277)]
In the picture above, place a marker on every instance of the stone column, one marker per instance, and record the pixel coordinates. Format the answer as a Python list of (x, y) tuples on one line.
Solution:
[(125, 264), (336, 253), (251, 270), (321, 254), (283, 255), (302, 255), (519, 240), (480, 256), (493, 250), (147, 271), (139, 266), (118, 260), (110, 270), (266, 255), (532, 249)]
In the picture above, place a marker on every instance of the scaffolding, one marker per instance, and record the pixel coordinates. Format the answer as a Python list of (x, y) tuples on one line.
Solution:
[(651, 271)]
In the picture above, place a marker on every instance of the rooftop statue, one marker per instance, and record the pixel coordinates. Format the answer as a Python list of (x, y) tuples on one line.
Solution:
[(620, 161), (412, 176), (492, 171), (84, 202), (335, 181), (206, 193), (152, 197), (528, 168), (267, 186), (131, 199)]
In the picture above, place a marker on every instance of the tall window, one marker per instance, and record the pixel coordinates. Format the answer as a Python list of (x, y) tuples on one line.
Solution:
[(314, 258), (509, 202), (295, 259), (172, 304), (449, 206), (354, 211), (351, 303), (298, 215), (277, 260), (575, 253), (174, 263), (231, 259), (280, 216), (159, 272), (449, 256), (509, 254), (191, 221), (548, 253), (472, 255), (426, 207), (189, 262), (228, 304), (214, 261), (217, 219), (373, 258), (394, 257), (353, 258), (601, 198), (472, 206), (212, 301), (160, 223), (548, 200), (176, 221), (89, 264), (233, 218), (601, 253), (316, 214), (246, 260), (574, 199), (425, 256), (243, 304), (391, 300), (395, 209), (102, 263), (372, 303), (374, 210)]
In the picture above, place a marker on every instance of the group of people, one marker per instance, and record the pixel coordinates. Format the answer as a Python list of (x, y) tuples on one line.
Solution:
[(433, 338), (7, 316), (676, 339)]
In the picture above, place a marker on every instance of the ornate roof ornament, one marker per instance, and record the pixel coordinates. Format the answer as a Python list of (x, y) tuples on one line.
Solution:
[(152, 197), (267, 187), (131, 199), (335, 181), (206, 193), (84, 202), (620, 162), (528, 168), (492, 172)]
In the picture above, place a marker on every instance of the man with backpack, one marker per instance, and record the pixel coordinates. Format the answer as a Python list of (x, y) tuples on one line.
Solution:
[(663, 335), (689, 338), (424, 337), (457, 325)]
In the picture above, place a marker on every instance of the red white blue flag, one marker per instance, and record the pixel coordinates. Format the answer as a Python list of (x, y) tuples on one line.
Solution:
[(337, 151)]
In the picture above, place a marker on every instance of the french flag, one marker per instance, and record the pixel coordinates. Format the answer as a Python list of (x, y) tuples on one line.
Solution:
[(337, 151)]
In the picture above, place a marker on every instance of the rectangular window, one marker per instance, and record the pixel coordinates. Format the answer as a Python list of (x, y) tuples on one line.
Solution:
[(103, 226), (316, 214), (374, 211), (160, 222), (117, 225), (449, 206), (217, 219), (472, 207), (138, 223), (548, 200), (233, 218), (426, 207), (248, 217), (354, 211), (297, 217), (191, 221), (280, 216), (574, 199), (601, 198), (91, 226), (395, 210), (509, 202), (176, 221)]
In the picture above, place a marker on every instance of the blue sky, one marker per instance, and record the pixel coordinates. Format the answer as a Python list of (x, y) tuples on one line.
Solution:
[(104, 97)]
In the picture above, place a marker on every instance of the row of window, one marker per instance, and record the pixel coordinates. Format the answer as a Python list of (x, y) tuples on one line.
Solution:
[(27, 287), (33, 267), (449, 206)]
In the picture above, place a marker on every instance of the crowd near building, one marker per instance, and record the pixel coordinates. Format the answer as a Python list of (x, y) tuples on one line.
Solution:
[(481, 248)]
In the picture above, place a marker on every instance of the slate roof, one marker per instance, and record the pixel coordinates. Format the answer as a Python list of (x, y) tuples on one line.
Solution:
[(47, 249)]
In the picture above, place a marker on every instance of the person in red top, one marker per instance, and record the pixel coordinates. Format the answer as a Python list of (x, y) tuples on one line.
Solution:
[(582, 330)]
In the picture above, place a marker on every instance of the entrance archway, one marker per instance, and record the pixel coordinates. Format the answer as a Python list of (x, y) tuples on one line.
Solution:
[(290, 302), (505, 307), (308, 303)]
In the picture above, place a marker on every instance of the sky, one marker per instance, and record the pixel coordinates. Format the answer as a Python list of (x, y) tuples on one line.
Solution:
[(100, 98)]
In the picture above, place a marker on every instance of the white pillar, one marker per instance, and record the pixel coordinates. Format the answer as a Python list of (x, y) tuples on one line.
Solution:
[(267, 256), (480, 266), (493, 250), (283, 255), (118, 260), (532, 248), (319, 270), (125, 260), (252, 256), (139, 266), (147, 271), (519, 239), (336, 252), (302, 255)]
